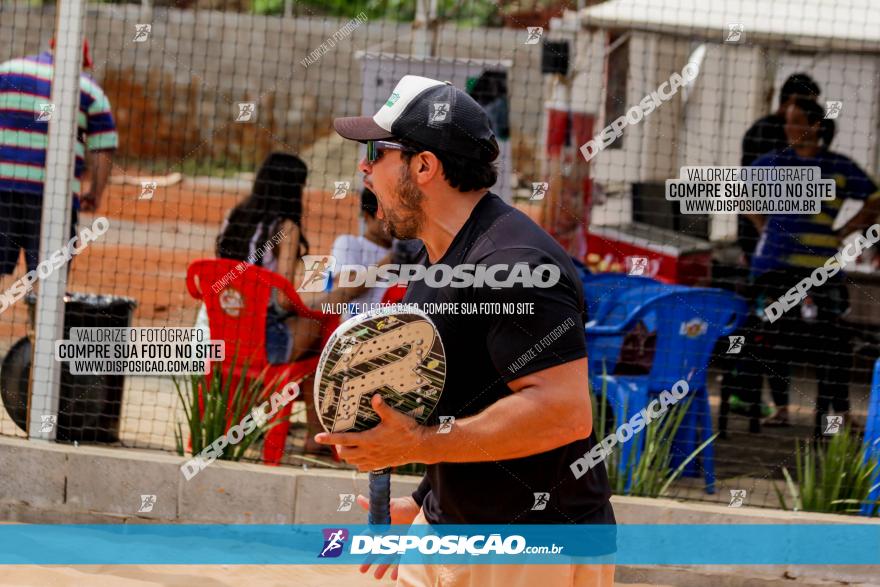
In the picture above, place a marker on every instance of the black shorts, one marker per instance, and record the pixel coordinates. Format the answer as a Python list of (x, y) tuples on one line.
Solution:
[(20, 218)]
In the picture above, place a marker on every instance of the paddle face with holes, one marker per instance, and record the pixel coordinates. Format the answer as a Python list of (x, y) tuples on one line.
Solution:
[(397, 354)]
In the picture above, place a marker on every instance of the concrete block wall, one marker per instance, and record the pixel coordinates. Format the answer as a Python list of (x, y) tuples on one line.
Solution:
[(43, 482)]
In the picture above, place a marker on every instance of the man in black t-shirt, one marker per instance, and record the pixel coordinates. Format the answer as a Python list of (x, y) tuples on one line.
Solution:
[(516, 383)]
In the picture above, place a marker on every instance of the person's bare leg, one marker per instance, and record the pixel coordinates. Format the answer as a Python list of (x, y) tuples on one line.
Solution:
[(306, 337), (313, 422), (306, 342)]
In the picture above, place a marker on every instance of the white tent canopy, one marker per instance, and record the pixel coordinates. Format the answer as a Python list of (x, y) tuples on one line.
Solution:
[(849, 25)]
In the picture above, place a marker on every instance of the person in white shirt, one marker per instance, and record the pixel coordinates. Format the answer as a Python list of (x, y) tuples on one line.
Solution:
[(371, 248)]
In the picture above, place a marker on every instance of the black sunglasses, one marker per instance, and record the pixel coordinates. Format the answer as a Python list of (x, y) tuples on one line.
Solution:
[(375, 149)]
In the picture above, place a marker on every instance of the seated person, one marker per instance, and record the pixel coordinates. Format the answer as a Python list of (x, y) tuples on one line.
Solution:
[(269, 220), (265, 229), (370, 249)]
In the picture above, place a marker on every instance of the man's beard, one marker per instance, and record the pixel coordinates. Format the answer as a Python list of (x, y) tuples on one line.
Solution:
[(407, 221)]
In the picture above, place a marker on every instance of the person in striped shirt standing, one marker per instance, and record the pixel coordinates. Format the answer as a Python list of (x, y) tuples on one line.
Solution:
[(791, 248), (25, 111)]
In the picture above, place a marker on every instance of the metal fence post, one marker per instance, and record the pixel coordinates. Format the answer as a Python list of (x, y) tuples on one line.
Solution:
[(55, 221)]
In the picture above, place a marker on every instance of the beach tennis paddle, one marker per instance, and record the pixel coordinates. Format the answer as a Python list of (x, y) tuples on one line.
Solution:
[(395, 353)]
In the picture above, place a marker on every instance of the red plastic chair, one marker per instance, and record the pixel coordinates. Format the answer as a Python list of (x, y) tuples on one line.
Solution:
[(394, 294), (236, 295)]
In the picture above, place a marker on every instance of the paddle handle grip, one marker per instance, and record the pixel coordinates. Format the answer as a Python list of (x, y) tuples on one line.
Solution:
[(380, 497)]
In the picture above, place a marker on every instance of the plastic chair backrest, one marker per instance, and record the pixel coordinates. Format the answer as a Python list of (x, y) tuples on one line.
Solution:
[(602, 288), (616, 308), (236, 295), (688, 323), (394, 294)]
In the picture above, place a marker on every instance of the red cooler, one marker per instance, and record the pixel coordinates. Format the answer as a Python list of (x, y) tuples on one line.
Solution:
[(641, 249)]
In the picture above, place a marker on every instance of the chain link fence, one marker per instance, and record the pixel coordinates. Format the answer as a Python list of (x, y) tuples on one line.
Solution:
[(597, 108)]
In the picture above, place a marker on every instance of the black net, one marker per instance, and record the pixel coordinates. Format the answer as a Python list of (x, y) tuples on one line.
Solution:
[(205, 132)]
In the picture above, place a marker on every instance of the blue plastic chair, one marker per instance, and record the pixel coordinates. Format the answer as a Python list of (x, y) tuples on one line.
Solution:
[(872, 438), (602, 288), (687, 322)]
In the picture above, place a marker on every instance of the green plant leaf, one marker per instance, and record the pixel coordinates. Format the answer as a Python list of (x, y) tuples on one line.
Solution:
[(678, 471)]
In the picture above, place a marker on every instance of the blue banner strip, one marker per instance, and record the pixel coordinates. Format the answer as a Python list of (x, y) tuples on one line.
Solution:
[(796, 544)]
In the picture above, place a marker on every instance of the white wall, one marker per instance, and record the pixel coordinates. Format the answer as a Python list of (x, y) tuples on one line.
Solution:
[(854, 80), (737, 85)]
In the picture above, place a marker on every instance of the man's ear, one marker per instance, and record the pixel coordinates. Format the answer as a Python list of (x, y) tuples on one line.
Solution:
[(427, 166)]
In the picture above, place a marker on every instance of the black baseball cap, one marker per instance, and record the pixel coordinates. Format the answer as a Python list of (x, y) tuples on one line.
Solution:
[(429, 114)]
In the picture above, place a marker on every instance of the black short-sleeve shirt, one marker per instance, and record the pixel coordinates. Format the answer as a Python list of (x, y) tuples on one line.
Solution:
[(485, 350)]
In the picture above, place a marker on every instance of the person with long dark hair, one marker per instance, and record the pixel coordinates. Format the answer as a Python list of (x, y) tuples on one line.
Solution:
[(265, 229), (792, 247)]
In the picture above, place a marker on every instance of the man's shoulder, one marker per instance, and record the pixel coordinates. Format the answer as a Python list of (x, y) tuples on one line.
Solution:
[(505, 231), (90, 86), (28, 65)]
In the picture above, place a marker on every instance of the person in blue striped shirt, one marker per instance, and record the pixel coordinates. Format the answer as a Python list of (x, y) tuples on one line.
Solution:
[(25, 110), (792, 246)]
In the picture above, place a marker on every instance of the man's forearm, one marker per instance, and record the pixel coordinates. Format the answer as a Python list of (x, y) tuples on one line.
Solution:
[(519, 425), (99, 172)]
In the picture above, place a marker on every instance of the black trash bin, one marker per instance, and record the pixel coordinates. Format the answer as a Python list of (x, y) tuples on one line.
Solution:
[(90, 405)]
